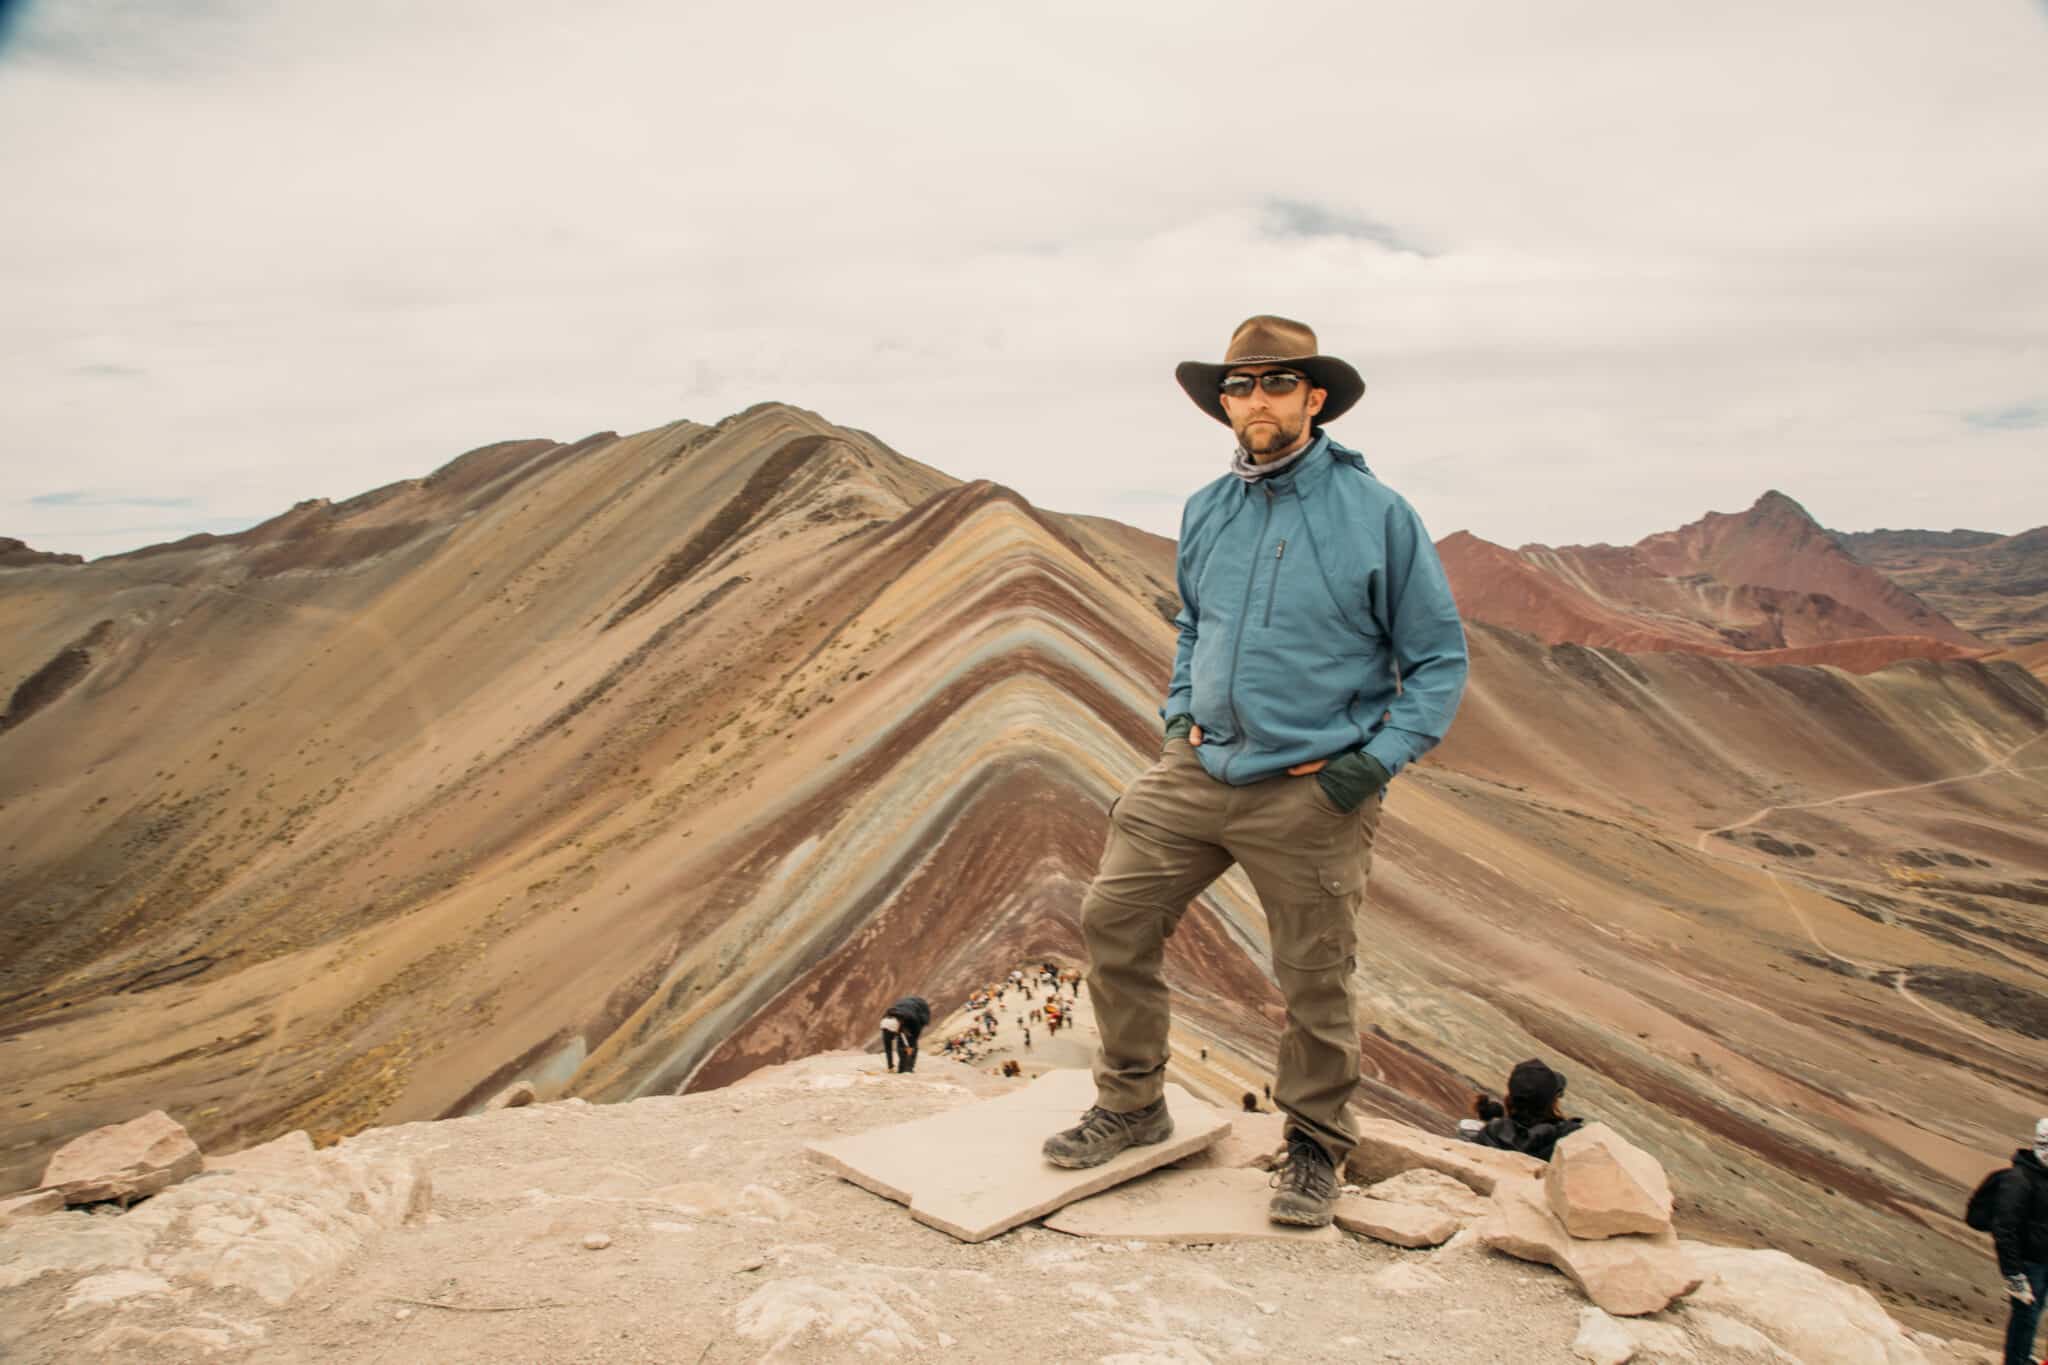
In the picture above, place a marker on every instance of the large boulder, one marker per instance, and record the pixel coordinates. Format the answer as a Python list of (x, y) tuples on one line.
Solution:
[(1807, 1312), (1601, 1185), (1386, 1148), (1627, 1275), (125, 1162)]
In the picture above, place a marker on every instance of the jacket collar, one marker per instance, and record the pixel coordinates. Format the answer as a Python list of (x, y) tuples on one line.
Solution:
[(1306, 474)]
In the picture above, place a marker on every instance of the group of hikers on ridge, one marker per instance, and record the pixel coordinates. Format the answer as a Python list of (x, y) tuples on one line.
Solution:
[(904, 1022)]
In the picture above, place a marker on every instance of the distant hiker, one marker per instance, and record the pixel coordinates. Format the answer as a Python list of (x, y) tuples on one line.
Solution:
[(1027, 1036), (902, 1022), (1301, 686), (2019, 1232), (1251, 1103), (1530, 1122)]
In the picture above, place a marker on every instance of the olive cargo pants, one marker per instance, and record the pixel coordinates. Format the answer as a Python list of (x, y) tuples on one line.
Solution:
[(1173, 831)]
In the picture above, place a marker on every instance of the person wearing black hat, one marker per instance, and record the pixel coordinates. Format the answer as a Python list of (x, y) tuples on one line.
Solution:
[(1530, 1122), (1320, 652)]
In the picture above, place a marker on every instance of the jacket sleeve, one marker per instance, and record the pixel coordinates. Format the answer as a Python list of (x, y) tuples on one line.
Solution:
[(2009, 1221), (1180, 693), (1414, 606)]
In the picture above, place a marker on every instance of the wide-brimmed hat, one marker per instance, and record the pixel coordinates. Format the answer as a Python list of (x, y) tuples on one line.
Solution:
[(1267, 340)]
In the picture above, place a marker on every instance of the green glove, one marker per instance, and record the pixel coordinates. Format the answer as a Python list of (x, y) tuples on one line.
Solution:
[(1178, 724), (1351, 779)]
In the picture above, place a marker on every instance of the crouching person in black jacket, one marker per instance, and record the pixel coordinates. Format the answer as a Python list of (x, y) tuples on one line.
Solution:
[(902, 1022), (1530, 1122), (2019, 1229)]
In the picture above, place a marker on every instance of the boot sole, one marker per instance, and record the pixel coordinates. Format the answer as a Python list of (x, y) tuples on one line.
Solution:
[(1083, 1164), (1302, 1220)]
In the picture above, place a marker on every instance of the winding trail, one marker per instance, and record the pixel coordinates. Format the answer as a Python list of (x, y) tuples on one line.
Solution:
[(1998, 767)]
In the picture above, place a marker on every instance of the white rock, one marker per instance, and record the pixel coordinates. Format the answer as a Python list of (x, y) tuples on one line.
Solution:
[(1602, 1340), (595, 1241), (97, 1291), (1806, 1312)]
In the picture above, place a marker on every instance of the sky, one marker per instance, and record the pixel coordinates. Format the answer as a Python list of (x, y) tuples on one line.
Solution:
[(1604, 266)]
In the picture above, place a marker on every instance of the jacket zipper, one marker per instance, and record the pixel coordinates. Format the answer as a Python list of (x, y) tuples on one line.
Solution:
[(1273, 588), (1237, 646)]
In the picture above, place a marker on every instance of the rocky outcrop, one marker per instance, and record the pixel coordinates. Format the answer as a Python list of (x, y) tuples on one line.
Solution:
[(1810, 1314), (269, 1224), (124, 1162), (1628, 1275)]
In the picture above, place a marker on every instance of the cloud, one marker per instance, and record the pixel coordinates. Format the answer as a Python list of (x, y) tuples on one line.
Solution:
[(86, 499), (1301, 218), (1602, 268), (2016, 417)]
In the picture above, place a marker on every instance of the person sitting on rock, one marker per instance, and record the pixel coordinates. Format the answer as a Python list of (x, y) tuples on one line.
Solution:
[(1530, 1122), (902, 1022)]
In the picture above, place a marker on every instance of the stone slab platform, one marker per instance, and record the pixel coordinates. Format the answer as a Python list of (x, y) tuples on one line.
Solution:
[(977, 1171), (1216, 1204)]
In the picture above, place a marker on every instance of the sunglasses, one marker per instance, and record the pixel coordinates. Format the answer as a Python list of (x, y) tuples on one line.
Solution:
[(1275, 382)]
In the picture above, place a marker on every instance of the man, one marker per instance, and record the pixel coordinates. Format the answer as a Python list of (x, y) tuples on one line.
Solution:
[(2019, 1230), (1320, 653), (902, 1022)]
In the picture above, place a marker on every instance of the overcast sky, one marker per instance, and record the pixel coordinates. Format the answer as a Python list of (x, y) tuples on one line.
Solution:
[(1604, 266)]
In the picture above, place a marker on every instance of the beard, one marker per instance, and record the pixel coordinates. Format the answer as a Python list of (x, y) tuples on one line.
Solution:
[(1275, 433)]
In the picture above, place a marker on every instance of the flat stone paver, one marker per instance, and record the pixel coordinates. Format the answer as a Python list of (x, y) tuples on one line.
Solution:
[(1211, 1205), (977, 1170)]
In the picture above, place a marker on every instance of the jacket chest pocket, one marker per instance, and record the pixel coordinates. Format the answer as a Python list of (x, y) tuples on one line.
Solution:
[(1273, 580)]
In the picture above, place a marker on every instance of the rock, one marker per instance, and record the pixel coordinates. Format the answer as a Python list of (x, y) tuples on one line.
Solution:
[(1806, 1312), (595, 1241), (1601, 1185), (126, 1161), (270, 1228), (1401, 1225), (1386, 1148), (1721, 1331), (97, 1291), (1629, 1275), (30, 1204), (293, 1153), (517, 1095), (1405, 1277), (1432, 1190), (1185, 1206), (1602, 1340), (976, 1170), (1250, 1144)]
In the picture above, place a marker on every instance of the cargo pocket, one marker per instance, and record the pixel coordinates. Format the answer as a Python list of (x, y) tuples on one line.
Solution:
[(1321, 934)]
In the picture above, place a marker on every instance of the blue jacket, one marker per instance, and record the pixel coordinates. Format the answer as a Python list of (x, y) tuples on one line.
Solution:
[(1315, 618)]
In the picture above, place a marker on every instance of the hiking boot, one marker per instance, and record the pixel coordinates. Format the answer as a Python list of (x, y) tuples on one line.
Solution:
[(1307, 1183), (1102, 1133)]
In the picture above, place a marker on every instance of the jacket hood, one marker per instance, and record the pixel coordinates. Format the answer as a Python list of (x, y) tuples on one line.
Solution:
[(2026, 1161)]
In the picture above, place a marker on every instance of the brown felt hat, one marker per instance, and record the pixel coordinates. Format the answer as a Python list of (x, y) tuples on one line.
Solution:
[(1267, 340)]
